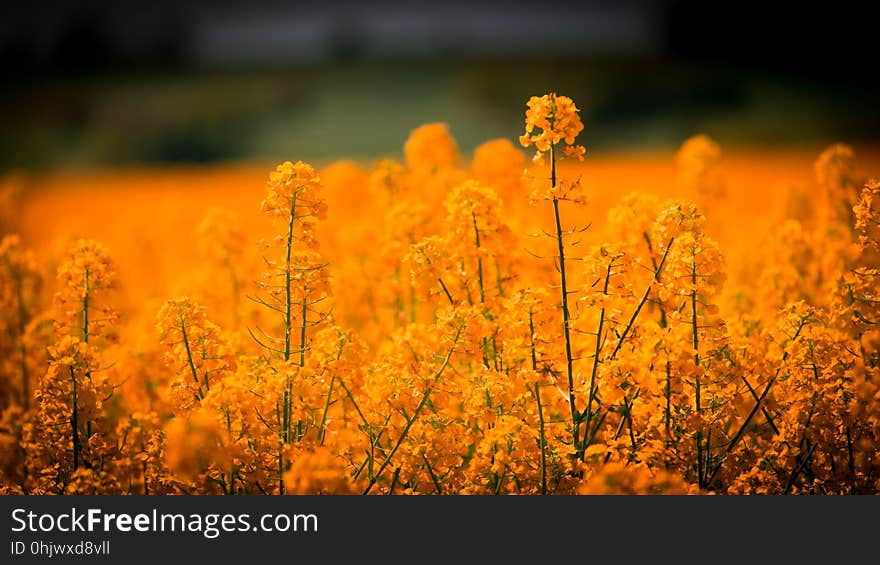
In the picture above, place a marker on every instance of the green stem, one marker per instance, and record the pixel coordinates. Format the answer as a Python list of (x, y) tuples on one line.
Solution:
[(668, 394), (764, 411), (566, 316), (146, 481), (588, 413), (192, 367), (479, 259), (278, 418), (625, 420), (434, 479), (280, 472), (85, 311), (322, 431), (696, 345), (285, 413), (74, 422), (801, 463), (302, 332), (446, 291), (288, 326), (656, 269), (642, 302), (797, 470), (542, 441)]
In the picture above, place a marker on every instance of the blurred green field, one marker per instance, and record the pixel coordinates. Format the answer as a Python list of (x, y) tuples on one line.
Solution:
[(363, 110)]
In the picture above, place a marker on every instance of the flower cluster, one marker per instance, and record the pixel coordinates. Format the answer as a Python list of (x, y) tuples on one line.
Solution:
[(556, 120)]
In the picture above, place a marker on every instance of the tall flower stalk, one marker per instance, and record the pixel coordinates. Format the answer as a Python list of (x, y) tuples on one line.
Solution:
[(553, 121), (294, 287)]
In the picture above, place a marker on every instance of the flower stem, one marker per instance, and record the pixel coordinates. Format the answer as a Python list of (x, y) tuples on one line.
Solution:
[(287, 310), (85, 311), (588, 412), (74, 422), (302, 333), (479, 259), (696, 345), (566, 316), (189, 358), (542, 441)]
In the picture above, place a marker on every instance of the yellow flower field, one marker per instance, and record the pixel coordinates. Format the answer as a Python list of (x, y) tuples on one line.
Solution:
[(528, 319)]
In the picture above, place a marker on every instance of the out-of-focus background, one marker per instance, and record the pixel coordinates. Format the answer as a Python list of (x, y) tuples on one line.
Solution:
[(98, 84)]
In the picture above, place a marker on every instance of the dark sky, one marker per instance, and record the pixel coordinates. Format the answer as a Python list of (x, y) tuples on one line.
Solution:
[(833, 43)]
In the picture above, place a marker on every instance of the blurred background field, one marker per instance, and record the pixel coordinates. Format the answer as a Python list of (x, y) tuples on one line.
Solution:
[(115, 84), (113, 109), (150, 217)]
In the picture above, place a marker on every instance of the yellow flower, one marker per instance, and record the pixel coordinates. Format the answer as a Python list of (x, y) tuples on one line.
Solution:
[(294, 184), (556, 119)]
